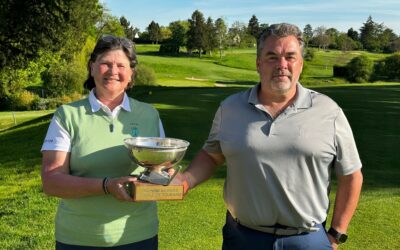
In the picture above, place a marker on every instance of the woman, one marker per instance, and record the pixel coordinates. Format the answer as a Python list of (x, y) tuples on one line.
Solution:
[(86, 164)]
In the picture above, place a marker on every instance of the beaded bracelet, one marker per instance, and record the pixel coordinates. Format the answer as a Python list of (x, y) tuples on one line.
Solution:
[(105, 189)]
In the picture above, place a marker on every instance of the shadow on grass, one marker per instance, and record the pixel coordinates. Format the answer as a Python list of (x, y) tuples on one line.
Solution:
[(374, 115), (30, 122), (250, 83), (321, 77), (20, 145)]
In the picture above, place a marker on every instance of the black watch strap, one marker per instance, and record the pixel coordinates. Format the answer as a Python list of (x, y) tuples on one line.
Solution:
[(340, 237)]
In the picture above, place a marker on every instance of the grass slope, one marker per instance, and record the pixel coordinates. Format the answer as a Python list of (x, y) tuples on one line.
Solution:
[(7, 118), (195, 223), (237, 66)]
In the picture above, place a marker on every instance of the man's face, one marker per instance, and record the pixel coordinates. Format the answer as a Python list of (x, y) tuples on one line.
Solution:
[(280, 64)]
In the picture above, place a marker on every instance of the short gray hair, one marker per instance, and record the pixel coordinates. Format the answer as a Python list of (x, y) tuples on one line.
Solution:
[(280, 30)]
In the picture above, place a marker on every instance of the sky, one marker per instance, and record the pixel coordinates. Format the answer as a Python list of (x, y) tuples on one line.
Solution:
[(339, 14)]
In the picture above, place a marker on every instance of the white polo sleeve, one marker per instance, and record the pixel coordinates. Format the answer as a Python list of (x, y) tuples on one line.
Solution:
[(57, 138), (162, 132)]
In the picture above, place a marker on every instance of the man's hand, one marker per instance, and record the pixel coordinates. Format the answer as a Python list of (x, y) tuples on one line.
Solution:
[(181, 179), (333, 242)]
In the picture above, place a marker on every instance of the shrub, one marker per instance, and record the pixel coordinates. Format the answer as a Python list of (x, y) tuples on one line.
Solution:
[(388, 69), (23, 100), (169, 48), (392, 67), (64, 99), (53, 103), (63, 79), (75, 96), (360, 69), (379, 71), (144, 76), (340, 71), (40, 104)]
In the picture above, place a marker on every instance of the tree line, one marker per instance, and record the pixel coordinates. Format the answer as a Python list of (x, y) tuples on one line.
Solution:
[(45, 45), (201, 35), (372, 37)]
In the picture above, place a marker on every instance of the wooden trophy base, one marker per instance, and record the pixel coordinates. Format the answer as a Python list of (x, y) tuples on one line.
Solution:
[(143, 191)]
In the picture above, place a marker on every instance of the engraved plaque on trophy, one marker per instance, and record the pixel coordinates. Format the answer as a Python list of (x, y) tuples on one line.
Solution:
[(159, 157)]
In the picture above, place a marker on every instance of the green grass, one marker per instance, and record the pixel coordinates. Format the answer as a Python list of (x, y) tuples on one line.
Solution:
[(196, 222), (187, 100), (11, 119), (195, 72), (237, 66)]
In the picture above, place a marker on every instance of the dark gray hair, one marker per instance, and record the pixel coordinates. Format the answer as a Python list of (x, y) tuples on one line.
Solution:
[(107, 43), (280, 30)]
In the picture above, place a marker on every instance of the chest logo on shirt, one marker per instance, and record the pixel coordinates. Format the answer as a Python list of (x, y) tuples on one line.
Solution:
[(134, 132)]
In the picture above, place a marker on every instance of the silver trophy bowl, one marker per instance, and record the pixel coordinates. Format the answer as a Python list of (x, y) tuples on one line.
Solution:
[(157, 155)]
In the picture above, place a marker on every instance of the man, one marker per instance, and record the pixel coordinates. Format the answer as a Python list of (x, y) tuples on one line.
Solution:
[(280, 142)]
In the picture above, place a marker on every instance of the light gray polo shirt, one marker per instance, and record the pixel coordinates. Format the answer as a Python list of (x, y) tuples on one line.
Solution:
[(278, 171)]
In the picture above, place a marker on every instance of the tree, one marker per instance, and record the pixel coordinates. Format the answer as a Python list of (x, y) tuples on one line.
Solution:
[(154, 32), (238, 35), (211, 42), (370, 35), (129, 30), (110, 25), (196, 33), (124, 23), (28, 26), (221, 35), (307, 34), (33, 31), (345, 43), (165, 32), (253, 28), (333, 35), (391, 68), (178, 34), (395, 45), (360, 69), (386, 39), (263, 27), (353, 34), (321, 39)]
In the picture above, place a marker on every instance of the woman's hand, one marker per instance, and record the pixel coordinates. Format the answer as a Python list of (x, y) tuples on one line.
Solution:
[(117, 187)]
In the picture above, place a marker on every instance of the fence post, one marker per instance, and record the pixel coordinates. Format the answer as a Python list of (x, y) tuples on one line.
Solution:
[(15, 120)]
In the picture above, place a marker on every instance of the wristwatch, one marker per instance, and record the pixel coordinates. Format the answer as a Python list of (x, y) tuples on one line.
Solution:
[(340, 237)]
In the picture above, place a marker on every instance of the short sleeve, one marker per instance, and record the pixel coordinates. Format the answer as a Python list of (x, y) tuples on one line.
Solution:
[(57, 137), (161, 128), (347, 158), (212, 144)]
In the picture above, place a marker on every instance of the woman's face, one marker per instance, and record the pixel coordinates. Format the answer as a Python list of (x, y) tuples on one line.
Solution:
[(111, 72)]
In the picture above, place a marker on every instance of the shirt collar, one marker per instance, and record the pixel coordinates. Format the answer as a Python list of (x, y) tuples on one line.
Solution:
[(302, 100), (253, 97), (303, 97), (96, 104)]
